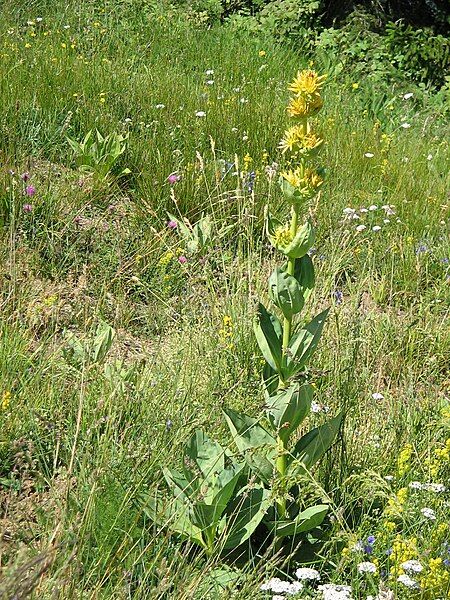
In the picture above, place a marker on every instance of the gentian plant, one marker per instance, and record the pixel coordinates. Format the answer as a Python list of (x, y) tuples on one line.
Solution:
[(221, 498)]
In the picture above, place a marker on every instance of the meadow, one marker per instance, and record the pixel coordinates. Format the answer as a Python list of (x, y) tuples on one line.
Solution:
[(121, 332)]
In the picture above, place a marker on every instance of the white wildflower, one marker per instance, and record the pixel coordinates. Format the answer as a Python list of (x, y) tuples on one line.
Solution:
[(376, 228), (210, 82), (200, 113), (407, 581), (369, 155), (331, 591), (389, 477), (437, 488), (363, 210), (413, 566), (430, 157), (378, 396), (159, 106), (408, 96), (309, 574), (415, 485), (209, 72), (367, 567), (405, 125), (373, 207), (361, 228), (428, 513), (386, 221), (276, 585)]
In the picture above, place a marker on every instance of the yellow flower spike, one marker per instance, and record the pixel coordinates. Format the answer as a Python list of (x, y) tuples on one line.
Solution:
[(6, 399), (307, 82)]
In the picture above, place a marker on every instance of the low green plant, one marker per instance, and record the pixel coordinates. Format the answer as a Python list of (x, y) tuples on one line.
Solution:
[(98, 154), (220, 499)]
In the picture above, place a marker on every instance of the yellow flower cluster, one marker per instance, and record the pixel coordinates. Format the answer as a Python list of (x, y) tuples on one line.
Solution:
[(396, 503), (5, 400), (307, 181), (402, 550), (439, 459), (403, 461), (226, 331), (436, 578), (307, 101), (296, 140)]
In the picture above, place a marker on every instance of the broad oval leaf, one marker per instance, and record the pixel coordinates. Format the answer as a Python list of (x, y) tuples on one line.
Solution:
[(245, 513), (289, 407), (313, 445), (285, 293), (269, 334), (303, 343), (305, 521)]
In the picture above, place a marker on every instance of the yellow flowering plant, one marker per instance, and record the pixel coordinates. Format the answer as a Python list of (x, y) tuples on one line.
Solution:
[(220, 496)]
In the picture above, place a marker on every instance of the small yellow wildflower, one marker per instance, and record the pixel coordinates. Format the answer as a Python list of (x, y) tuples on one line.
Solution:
[(166, 258), (63, 45), (262, 53), (404, 458), (307, 82), (355, 86), (6, 399), (50, 300), (247, 161)]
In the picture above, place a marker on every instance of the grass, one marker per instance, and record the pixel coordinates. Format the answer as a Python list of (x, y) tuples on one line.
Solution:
[(79, 444)]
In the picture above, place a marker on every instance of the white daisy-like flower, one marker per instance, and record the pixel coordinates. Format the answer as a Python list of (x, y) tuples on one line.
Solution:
[(308, 574), (348, 211), (430, 157), (200, 113), (209, 72), (408, 96), (373, 207), (210, 82), (389, 477), (369, 154), (367, 567), (386, 221), (38, 19), (363, 210), (159, 106), (376, 228), (408, 582), (413, 566), (428, 513), (361, 228), (405, 125), (378, 396)]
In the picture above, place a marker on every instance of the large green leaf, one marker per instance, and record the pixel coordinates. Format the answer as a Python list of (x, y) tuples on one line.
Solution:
[(304, 274), (257, 445), (303, 343), (313, 445), (181, 486), (285, 292), (270, 380), (104, 337), (208, 455), (305, 521), (269, 334), (245, 513), (172, 515), (302, 242), (289, 407)]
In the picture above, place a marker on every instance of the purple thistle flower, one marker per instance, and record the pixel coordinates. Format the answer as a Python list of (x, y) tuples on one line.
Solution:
[(27, 208), (172, 224), (173, 178), (182, 260), (30, 190), (25, 176)]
